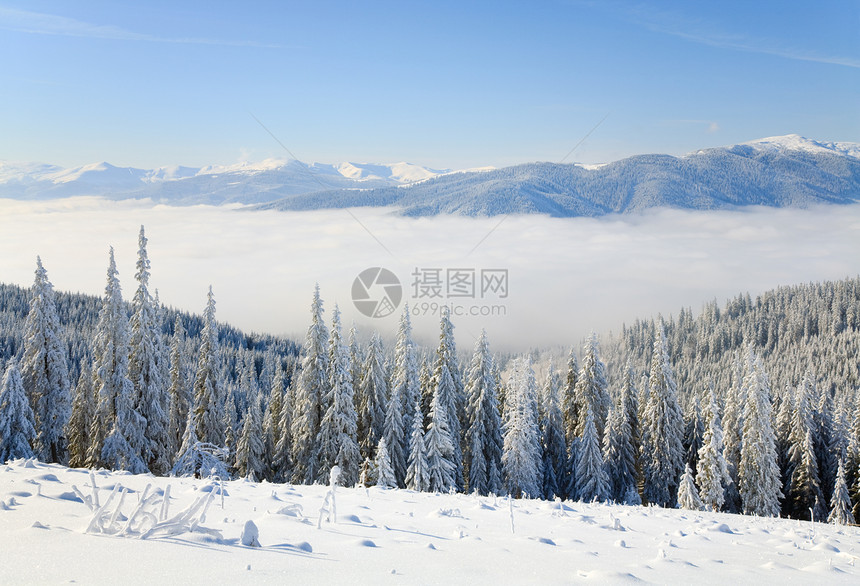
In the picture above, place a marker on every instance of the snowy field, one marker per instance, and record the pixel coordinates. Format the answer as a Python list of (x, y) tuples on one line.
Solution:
[(53, 531)]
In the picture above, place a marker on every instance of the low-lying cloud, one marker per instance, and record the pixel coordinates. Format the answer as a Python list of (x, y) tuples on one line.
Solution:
[(564, 276)]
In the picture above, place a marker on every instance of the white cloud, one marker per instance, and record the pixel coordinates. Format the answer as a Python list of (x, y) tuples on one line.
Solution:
[(566, 276)]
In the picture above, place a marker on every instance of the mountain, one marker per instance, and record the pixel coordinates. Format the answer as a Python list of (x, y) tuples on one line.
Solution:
[(783, 171), (245, 183), (788, 171)]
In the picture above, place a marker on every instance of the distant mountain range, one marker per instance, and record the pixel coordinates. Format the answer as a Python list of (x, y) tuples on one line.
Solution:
[(785, 171)]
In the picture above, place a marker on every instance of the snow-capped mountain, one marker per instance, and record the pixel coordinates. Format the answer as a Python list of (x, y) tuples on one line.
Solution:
[(783, 171), (267, 180)]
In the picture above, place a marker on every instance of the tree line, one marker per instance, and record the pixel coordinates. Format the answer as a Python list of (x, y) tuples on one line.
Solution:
[(751, 408)]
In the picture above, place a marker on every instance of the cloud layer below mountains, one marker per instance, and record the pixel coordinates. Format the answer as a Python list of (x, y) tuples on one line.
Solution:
[(565, 277)]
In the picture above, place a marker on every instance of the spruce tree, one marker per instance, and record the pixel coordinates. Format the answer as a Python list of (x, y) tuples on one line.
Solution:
[(45, 372), (439, 442), (484, 433), (591, 480), (803, 491), (179, 391), (758, 473), (208, 392), (150, 398), (662, 428), (373, 398), (521, 460), (405, 391), (312, 385), (384, 472), (688, 495), (83, 412), (569, 404), (250, 448), (418, 469), (272, 430), (116, 417), (554, 448), (17, 431), (591, 390), (619, 455), (712, 474), (733, 424), (337, 439), (840, 512), (453, 398)]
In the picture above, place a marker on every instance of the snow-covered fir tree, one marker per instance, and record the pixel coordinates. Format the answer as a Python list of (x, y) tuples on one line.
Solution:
[(208, 398), (337, 438), (694, 430), (179, 391), (554, 457), (619, 453), (840, 511), (311, 387), (150, 397), (439, 441), (83, 412), (45, 372), (662, 428), (758, 473), (250, 447), (592, 390), (116, 417), (405, 391), (418, 468), (384, 472), (688, 495), (733, 424), (275, 452), (803, 491), (521, 459), (453, 397), (17, 431), (484, 434), (569, 403), (372, 398), (592, 482), (712, 474)]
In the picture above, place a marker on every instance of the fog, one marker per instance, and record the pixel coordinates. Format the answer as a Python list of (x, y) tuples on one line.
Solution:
[(565, 277)]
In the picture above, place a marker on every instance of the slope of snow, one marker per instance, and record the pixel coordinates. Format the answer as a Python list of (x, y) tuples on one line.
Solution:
[(381, 537), (794, 142)]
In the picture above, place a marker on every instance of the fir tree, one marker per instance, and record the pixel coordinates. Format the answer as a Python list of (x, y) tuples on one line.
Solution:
[(803, 491), (273, 432), (840, 513), (179, 390), (569, 405), (591, 480), (552, 439), (372, 399), (688, 495), (758, 474), (693, 432), (384, 472), (619, 455), (405, 391), (484, 434), (44, 370), (115, 413), (150, 399), (733, 424), (453, 398), (208, 399), (418, 470), (17, 431), (250, 448), (439, 442), (712, 474), (521, 460), (591, 388), (312, 385), (83, 412), (662, 427), (337, 439)]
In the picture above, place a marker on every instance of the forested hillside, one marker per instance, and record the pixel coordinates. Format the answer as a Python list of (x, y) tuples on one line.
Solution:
[(750, 407)]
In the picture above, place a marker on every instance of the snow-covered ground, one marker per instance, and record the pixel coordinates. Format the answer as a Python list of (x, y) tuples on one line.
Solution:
[(52, 531)]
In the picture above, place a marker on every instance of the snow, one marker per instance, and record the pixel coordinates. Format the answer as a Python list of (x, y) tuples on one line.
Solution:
[(794, 142), (381, 536)]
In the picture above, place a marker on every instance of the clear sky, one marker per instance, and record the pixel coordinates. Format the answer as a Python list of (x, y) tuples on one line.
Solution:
[(443, 84)]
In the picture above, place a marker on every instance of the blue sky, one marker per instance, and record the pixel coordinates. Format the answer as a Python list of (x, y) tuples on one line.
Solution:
[(443, 84)]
